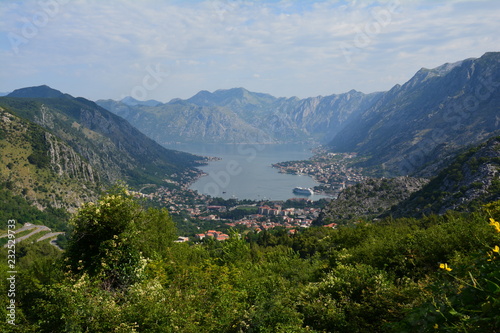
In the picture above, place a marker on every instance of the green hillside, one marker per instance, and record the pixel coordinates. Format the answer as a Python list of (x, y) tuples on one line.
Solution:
[(40, 168), (115, 149)]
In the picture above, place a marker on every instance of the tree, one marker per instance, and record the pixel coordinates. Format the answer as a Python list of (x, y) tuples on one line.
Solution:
[(113, 238)]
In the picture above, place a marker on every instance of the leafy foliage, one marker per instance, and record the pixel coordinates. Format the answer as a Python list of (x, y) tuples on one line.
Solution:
[(122, 272), (18, 208)]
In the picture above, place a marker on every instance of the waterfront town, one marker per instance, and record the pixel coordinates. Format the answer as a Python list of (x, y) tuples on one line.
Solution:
[(333, 171), (200, 216)]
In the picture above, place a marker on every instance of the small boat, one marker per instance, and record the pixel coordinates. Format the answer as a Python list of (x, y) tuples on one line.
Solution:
[(303, 191)]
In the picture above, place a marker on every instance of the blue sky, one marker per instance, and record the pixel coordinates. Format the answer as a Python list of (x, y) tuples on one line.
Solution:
[(154, 49)]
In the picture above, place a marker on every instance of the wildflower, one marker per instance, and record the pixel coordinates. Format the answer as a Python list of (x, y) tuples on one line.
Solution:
[(445, 267), (495, 224), (496, 249)]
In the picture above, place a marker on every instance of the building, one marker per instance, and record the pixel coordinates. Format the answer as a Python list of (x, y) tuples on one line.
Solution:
[(181, 239)]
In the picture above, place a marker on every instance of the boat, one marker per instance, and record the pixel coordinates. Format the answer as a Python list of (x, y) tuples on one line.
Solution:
[(303, 191)]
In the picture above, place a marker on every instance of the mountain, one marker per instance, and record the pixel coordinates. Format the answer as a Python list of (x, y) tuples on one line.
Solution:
[(43, 91), (369, 199), (40, 167), (240, 116), (130, 101), (471, 180), (418, 127), (414, 128), (76, 138)]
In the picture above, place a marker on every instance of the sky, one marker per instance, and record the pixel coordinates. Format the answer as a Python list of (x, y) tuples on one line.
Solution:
[(161, 50)]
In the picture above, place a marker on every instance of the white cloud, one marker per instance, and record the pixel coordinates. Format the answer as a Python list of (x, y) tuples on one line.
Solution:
[(101, 49)]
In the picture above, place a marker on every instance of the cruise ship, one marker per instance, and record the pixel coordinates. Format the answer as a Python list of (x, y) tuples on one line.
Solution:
[(303, 191)]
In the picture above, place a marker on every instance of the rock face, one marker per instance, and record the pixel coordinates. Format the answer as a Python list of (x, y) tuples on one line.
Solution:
[(64, 161), (470, 181), (42, 168), (369, 199)]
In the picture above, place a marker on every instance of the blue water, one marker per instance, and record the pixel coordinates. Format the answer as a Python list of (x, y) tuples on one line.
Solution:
[(245, 171)]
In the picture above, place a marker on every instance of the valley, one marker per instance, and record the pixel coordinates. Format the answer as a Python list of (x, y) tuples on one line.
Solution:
[(201, 206)]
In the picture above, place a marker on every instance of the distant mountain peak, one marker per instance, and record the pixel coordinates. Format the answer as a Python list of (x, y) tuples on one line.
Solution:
[(130, 101), (42, 91)]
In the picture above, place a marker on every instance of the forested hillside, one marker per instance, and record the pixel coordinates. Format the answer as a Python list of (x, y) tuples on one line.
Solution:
[(471, 180), (369, 199), (110, 143)]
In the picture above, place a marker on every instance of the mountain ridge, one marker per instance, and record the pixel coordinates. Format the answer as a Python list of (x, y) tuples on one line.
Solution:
[(416, 128), (240, 116), (115, 149)]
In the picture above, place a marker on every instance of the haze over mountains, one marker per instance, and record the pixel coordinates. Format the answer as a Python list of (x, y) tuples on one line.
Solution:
[(413, 128), (240, 116)]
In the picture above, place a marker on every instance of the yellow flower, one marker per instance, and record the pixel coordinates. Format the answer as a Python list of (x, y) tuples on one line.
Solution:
[(495, 224), (496, 249), (445, 267)]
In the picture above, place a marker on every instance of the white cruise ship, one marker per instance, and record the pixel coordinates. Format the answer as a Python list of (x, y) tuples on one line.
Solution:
[(303, 191)]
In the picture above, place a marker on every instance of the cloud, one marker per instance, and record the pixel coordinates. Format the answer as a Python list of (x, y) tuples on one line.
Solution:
[(101, 49)]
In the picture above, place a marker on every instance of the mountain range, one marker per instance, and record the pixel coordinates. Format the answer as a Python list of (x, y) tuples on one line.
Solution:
[(415, 128), (240, 116)]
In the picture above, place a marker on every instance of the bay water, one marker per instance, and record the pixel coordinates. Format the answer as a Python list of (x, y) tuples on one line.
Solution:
[(244, 171)]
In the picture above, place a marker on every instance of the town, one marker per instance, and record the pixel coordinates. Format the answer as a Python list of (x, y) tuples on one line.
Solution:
[(200, 216), (334, 171)]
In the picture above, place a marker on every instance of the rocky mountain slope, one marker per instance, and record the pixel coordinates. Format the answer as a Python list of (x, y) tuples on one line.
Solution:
[(240, 116), (470, 181), (78, 141), (369, 199), (419, 126), (38, 166)]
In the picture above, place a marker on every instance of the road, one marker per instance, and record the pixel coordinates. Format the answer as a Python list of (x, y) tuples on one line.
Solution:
[(38, 228)]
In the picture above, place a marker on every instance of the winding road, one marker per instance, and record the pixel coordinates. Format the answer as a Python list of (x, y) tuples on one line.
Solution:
[(38, 228)]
